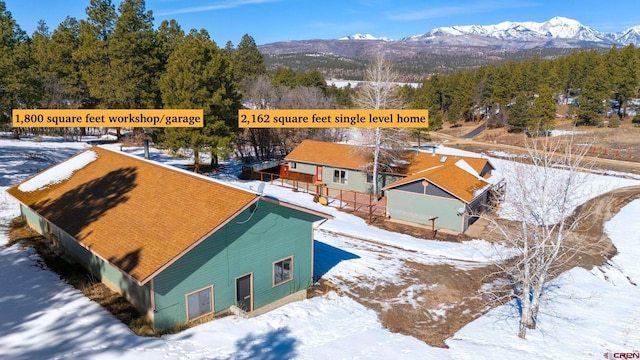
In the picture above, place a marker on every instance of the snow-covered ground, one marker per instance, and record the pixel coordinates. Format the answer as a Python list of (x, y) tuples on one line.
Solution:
[(557, 132), (43, 318)]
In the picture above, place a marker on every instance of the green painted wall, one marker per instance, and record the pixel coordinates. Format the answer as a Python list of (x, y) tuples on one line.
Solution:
[(140, 296), (102, 270), (304, 168), (356, 180), (34, 220), (418, 208), (250, 243)]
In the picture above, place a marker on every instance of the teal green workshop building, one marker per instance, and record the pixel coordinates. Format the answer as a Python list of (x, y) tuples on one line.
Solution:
[(179, 246)]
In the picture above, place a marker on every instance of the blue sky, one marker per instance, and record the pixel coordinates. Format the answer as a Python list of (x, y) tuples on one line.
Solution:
[(278, 20)]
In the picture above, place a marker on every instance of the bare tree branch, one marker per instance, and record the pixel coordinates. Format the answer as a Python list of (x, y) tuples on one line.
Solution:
[(380, 91), (547, 213)]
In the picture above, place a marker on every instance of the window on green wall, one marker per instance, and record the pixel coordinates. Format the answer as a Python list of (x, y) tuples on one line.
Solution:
[(200, 303), (282, 271), (339, 176)]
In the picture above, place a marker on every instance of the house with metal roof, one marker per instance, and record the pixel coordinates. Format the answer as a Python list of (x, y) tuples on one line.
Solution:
[(177, 245), (442, 191)]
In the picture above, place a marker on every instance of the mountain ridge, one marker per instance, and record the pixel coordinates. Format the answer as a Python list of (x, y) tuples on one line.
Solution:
[(555, 31), (445, 49)]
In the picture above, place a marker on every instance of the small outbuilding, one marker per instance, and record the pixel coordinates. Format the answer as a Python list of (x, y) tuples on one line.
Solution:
[(177, 245)]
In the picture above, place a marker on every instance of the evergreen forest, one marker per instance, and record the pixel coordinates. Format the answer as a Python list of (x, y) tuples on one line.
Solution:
[(116, 58)]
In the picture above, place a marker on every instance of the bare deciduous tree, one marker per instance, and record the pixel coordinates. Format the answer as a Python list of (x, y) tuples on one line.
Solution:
[(380, 91), (545, 206), (262, 94), (305, 97)]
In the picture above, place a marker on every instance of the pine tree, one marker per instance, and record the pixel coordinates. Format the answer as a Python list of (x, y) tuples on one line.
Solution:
[(614, 121), (40, 54), (134, 57), (93, 55), (460, 90), (168, 37), (284, 76), (200, 75), (542, 112), (39, 44), (59, 73), (19, 84), (429, 96), (312, 78), (229, 49), (594, 91), (626, 77), (248, 62), (118, 56), (62, 46), (518, 112)]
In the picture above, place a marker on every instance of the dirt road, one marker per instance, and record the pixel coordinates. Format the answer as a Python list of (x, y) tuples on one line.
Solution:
[(438, 300), (485, 147), (435, 301)]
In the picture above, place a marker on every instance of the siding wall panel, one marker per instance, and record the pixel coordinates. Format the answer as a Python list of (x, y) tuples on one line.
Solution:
[(250, 243), (111, 276), (247, 244), (409, 206)]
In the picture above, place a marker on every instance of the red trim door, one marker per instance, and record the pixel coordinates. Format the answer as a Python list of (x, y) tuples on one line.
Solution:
[(284, 171)]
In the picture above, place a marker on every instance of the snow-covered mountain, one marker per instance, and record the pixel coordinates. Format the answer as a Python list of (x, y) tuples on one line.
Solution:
[(454, 47), (556, 32), (629, 36), (363, 37), (558, 28)]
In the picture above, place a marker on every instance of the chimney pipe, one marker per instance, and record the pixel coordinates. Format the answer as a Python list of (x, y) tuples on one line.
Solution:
[(145, 143)]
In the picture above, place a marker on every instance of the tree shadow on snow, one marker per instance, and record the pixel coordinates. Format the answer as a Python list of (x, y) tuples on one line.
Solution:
[(41, 317), (17, 163), (325, 257), (274, 345)]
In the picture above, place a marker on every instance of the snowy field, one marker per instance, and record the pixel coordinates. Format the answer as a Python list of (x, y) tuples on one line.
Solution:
[(596, 312)]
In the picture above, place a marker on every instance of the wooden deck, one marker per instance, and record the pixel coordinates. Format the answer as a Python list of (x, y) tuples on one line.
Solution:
[(356, 201), (347, 200)]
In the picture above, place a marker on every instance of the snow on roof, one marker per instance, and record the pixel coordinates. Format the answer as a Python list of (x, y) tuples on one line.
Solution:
[(471, 171), (58, 173), (466, 167)]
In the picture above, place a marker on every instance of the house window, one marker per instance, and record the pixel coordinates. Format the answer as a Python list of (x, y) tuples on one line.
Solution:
[(369, 178), (282, 271), (339, 176), (292, 165), (200, 303)]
